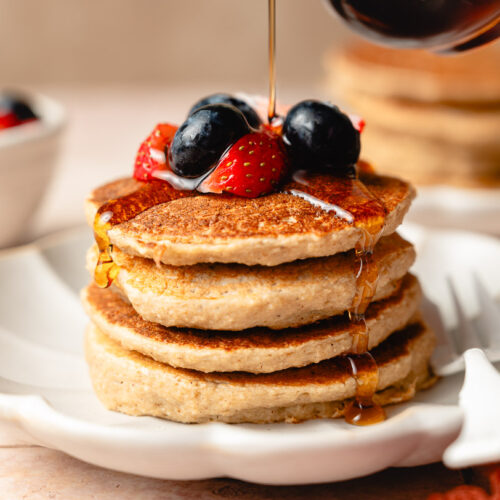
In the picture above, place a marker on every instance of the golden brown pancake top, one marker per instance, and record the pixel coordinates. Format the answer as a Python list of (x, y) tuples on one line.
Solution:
[(339, 368), (208, 216), (397, 346)]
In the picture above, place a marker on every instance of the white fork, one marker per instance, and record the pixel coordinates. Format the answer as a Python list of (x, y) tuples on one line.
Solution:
[(483, 332), (472, 345)]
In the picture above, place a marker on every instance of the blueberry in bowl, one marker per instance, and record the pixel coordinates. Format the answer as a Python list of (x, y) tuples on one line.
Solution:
[(15, 111)]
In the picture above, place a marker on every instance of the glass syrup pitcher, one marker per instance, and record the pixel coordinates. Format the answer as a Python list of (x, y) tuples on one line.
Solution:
[(437, 25)]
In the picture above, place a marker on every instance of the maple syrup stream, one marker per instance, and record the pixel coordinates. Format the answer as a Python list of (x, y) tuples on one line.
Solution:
[(347, 198), (363, 410)]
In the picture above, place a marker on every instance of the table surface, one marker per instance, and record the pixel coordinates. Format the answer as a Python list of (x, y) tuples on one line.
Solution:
[(106, 124), (35, 473)]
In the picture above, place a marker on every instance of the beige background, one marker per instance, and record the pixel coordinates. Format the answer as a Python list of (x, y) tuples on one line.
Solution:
[(161, 41)]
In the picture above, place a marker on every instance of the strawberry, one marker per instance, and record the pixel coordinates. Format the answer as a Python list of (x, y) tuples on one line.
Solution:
[(357, 122), (8, 120), (152, 156), (253, 166)]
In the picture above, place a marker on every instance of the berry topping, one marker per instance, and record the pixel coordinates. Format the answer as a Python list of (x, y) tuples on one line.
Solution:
[(252, 167), (153, 152), (250, 114), (14, 111), (23, 111), (204, 137), (358, 123), (8, 120), (319, 135)]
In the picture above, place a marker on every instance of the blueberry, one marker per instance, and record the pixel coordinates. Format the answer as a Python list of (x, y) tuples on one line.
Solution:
[(202, 139), (15, 105), (319, 135), (23, 111), (250, 114)]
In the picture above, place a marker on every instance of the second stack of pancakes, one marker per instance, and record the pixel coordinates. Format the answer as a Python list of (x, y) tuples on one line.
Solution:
[(431, 118), (234, 309)]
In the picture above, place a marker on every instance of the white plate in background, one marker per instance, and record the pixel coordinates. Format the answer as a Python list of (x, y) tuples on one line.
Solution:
[(457, 208), (45, 392)]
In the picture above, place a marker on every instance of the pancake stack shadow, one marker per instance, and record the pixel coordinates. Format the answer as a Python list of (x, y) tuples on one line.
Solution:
[(234, 310), (430, 118)]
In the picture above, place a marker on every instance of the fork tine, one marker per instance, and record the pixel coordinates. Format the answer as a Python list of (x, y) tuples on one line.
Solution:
[(466, 335), (445, 354), (432, 316), (489, 315)]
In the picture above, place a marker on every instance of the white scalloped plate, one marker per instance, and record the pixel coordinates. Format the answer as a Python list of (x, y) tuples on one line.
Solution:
[(45, 392)]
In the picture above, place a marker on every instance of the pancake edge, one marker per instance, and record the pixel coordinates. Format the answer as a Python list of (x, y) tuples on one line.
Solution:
[(265, 251), (130, 383), (263, 297), (256, 358)]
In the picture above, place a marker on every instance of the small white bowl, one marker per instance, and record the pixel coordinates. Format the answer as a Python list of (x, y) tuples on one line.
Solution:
[(28, 156)]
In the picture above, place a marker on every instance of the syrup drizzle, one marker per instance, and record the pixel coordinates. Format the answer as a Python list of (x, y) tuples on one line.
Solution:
[(349, 199), (182, 183), (122, 210), (363, 410)]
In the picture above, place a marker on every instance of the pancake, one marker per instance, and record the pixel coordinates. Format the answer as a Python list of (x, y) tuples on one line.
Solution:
[(269, 230), (131, 383), (237, 297), (258, 350), (428, 161), (418, 75), (458, 126)]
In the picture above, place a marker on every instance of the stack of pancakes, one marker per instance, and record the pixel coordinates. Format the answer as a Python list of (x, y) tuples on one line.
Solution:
[(234, 309), (430, 118)]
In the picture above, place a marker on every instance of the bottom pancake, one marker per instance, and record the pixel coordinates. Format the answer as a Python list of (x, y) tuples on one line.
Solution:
[(131, 383)]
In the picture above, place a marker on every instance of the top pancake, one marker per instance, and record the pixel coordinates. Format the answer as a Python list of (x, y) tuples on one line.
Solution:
[(269, 230)]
